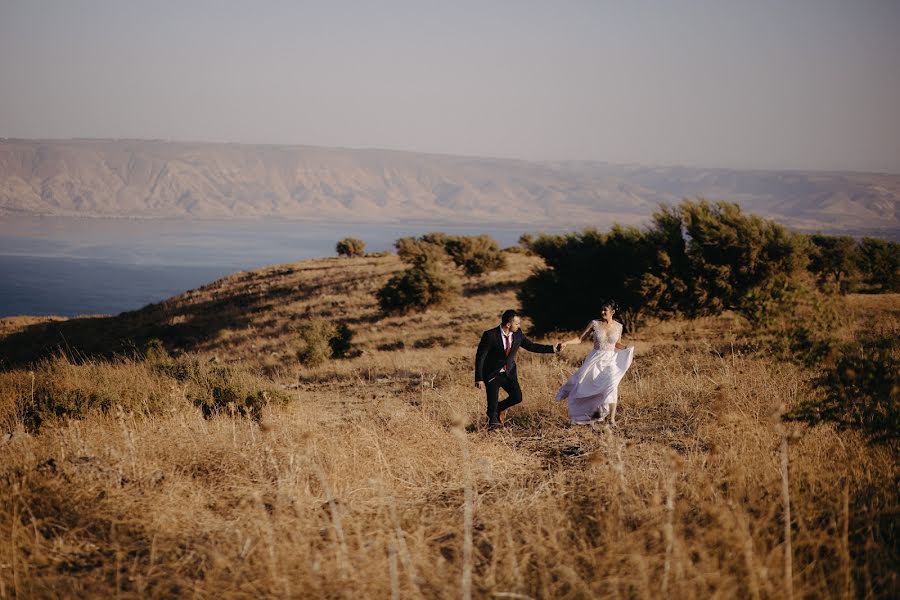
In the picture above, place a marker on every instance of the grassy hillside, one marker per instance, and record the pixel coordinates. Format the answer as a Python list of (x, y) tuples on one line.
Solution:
[(374, 477), (253, 316)]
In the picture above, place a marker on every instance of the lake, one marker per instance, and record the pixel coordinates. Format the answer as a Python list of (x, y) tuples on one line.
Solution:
[(73, 266)]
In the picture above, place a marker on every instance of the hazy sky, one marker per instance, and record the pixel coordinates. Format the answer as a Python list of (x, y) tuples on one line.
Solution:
[(802, 84)]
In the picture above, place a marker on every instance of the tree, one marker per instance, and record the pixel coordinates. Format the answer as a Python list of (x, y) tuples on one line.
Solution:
[(583, 269), (880, 263), (731, 253), (351, 247), (837, 258), (694, 259)]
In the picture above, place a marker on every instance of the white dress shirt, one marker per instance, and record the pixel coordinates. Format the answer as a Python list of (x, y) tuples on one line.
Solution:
[(507, 344)]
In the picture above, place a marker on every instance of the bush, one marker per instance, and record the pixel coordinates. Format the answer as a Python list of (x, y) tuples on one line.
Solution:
[(417, 289), (341, 341), (421, 251), (526, 241), (880, 263), (321, 340), (392, 346), (65, 390), (796, 319), (351, 247), (835, 258), (475, 255), (156, 358), (315, 342), (225, 388), (214, 388)]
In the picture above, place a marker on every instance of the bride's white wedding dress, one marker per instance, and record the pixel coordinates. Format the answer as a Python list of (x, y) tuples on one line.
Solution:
[(595, 385)]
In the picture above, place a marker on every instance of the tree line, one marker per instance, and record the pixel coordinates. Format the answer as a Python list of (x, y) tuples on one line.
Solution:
[(694, 259)]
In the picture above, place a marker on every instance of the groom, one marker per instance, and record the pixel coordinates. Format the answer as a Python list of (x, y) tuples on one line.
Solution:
[(495, 364)]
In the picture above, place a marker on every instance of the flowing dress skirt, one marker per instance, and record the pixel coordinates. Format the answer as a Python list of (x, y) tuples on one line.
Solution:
[(595, 385)]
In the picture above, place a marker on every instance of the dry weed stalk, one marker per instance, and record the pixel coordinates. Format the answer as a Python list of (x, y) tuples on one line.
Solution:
[(468, 511), (786, 499)]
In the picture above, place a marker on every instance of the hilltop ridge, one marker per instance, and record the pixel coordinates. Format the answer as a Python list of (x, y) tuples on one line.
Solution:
[(139, 178)]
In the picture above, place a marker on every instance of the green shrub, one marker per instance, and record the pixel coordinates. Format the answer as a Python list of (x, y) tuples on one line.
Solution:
[(321, 340), (351, 247), (880, 263), (227, 389), (731, 253), (315, 342), (65, 390), (475, 255), (214, 388), (795, 319), (417, 288), (421, 251), (341, 341), (430, 280), (157, 358), (835, 258)]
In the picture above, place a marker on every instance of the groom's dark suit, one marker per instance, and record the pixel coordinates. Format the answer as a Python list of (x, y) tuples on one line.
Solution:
[(491, 357)]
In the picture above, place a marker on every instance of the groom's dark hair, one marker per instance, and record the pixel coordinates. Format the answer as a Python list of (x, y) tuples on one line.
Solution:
[(507, 316)]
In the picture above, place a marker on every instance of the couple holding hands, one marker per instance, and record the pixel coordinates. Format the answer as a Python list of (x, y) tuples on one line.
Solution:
[(592, 390)]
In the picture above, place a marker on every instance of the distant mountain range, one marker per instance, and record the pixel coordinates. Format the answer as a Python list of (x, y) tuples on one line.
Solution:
[(141, 178)]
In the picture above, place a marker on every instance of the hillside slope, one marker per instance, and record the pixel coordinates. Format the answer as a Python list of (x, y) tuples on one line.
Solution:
[(138, 178), (253, 316), (375, 477)]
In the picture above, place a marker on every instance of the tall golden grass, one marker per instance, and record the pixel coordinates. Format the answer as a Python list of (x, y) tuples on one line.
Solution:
[(377, 478)]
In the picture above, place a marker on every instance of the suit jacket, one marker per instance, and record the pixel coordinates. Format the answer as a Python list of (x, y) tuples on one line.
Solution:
[(491, 356)]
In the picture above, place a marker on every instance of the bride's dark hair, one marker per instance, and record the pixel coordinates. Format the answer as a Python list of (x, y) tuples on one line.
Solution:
[(610, 304)]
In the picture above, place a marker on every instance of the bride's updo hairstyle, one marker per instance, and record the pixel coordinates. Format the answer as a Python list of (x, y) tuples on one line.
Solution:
[(611, 304)]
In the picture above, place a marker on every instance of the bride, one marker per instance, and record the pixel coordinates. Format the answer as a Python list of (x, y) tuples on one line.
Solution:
[(592, 390)]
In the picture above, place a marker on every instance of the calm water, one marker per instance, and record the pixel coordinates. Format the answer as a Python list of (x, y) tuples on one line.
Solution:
[(56, 266)]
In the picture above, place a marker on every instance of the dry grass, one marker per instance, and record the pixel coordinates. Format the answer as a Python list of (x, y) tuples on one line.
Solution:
[(375, 479)]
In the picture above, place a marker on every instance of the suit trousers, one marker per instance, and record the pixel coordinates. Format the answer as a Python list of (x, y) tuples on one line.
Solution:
[(492, 387)]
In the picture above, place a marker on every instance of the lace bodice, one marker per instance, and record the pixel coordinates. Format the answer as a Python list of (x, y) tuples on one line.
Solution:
[(605, 337)]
